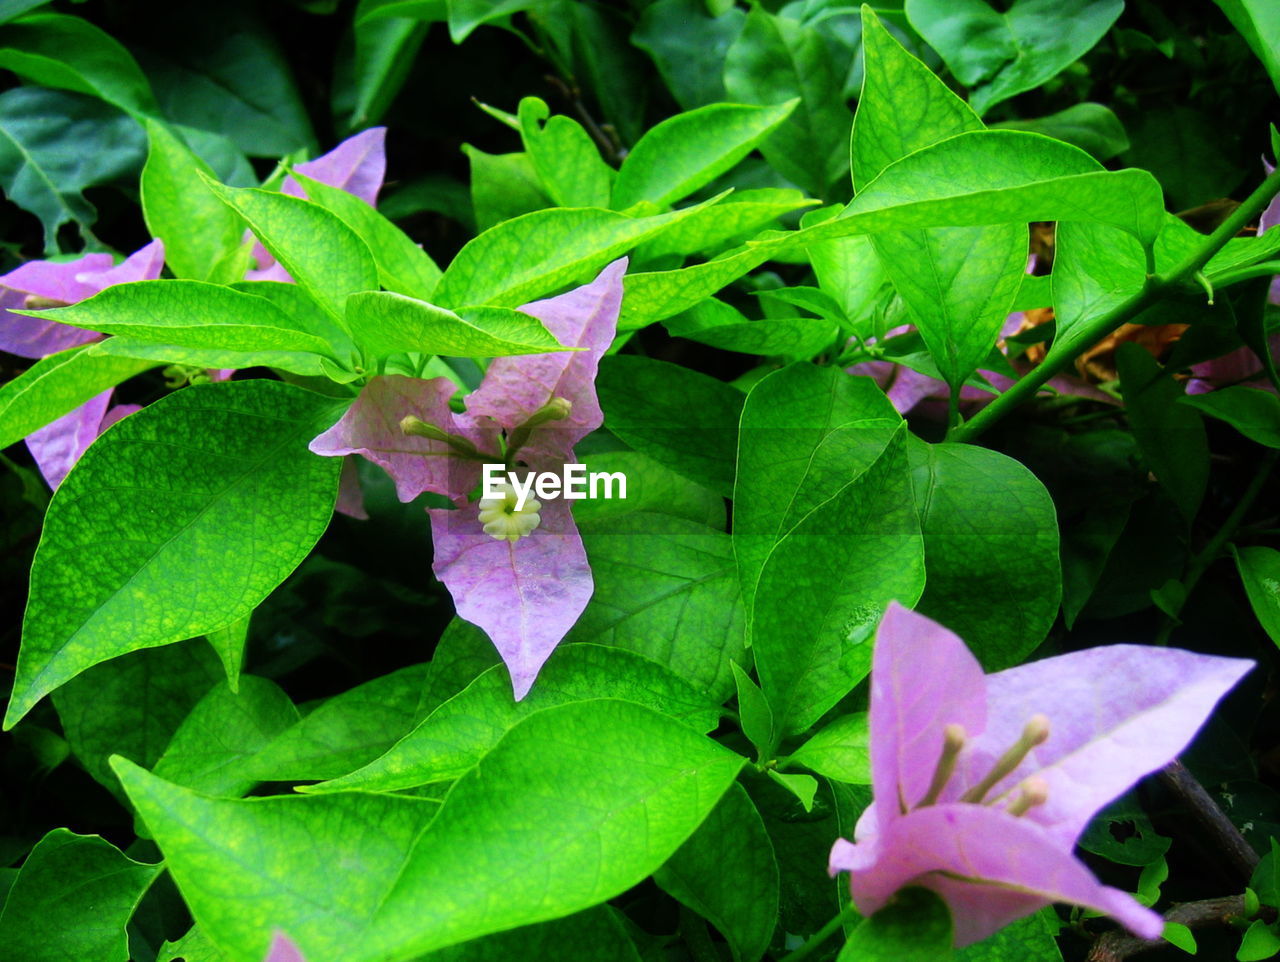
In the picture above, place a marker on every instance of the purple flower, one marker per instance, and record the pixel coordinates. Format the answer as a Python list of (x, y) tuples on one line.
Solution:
[(983, 783), (42, 284), (521, 575)]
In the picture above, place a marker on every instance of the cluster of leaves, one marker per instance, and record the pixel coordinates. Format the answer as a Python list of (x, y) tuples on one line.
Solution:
[(264, 717)]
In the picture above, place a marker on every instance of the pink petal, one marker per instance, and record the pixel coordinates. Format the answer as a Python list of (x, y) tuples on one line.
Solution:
[(515, 387), (1017, 865), (1116, 713), (117, 413), (143, 264), (527, 595), (922, 679), (357, 165), (57, 446), (283, 950), (371, 427), (58, 281), (350, 494)]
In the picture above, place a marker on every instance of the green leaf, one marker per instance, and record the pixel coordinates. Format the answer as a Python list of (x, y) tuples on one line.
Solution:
[(599, 793), (841, 750), (179, 520), (133, 704), (806, 432), (534, 255), (914, 927), (1030, 939), (599, 934), (346, 732), (1261, 941), (383, 52), (692, 149), (503, 186), (197, 229), (385, 324), (192, 947), (228, 643), (1091, 127), (1171, 435), (754, 716), (325, 256), (683, 419), (1254, 413), (1259, 569), (775, 60), (803, 787), (1002, 54), (1259, 23), (656, 295), (734, 220), (402, 265), (566, 160), (991, 549), (690, 59), (53, 145), (833, 573), (665, 588), (719, 325), (454, 737), (226, 328), (998, 177), (72, 900), (55, 385), (726, 872), (1175, 933), (54, 50), (209, 751), (650, 487)]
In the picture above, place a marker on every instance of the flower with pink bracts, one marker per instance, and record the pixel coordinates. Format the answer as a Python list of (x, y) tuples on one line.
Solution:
[(983, 783), (522, 576), (42, 284), (283, 950)]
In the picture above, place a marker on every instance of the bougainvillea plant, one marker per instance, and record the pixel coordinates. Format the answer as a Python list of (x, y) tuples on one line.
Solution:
[(668, 480)]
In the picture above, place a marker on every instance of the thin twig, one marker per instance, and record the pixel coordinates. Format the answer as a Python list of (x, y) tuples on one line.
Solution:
[(1117, 946), (1223, 834)]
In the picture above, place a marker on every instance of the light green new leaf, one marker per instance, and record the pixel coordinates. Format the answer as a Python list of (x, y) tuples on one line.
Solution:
[(384, 324), (775, 60), (841, 750), (55, 50), (806, 432), (198, 230), (208, 752), (914, 927), (228, 643), (72, 899), (177, 521), (991, 549), (1259, 569), (726, 872), (755, 717), (679, 417), (566, 160), (220, 323), (998, 177), (346, 732), (454, 737), (1000, 54), (1259, 23), (534, 255), (575, 805), (325, 256), (403, 266), (102, 714), (55, 385), (1254, 413), (657, 295), (666, 588), (692, 149), (833, 573)]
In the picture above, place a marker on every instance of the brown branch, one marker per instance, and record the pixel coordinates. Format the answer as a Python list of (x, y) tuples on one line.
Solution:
[(1117, 946), (1222, 832)]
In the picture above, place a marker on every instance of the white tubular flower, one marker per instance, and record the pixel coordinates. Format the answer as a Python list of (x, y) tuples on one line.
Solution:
[(503, 521)]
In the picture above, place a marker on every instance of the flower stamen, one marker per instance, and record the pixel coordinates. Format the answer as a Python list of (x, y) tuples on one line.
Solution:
[(1035, 733), (953, 739), (1032, 791)]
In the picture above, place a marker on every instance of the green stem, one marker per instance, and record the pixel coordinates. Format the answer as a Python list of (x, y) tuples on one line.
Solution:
[(1207, 555), (824, 933), (1240, 274), (1156, 287)]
